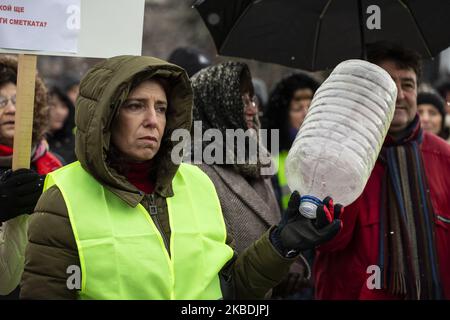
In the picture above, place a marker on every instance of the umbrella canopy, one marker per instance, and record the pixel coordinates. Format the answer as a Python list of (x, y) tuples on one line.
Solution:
[(318, 34)]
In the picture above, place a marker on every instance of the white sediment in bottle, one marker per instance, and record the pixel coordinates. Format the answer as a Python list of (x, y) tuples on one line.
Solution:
[(337, 145)]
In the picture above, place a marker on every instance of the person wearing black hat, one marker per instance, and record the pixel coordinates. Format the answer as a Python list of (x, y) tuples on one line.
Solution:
[(432, 114)]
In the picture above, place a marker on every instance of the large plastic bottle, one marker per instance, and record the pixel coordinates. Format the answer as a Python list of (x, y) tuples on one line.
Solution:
[(339, 141)]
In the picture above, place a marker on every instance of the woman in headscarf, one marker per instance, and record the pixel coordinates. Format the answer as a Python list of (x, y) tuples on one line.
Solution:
[(224, 102)]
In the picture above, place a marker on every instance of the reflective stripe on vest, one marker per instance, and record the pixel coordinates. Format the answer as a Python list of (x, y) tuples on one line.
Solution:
[(280, 159), (122, 253)]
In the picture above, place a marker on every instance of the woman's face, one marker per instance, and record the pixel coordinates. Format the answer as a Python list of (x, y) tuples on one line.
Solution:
[(139, 126), (7, 113), (430, 118), (58, 113), (301, 99)]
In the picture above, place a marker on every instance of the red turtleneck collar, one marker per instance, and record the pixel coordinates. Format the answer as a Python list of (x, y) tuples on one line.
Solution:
[(139, 175)]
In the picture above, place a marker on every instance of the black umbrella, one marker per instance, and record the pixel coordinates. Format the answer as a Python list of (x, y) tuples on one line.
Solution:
[(318, 34)]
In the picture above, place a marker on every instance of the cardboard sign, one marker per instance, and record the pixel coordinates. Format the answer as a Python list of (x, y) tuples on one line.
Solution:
[(46, 25), (99, 29)]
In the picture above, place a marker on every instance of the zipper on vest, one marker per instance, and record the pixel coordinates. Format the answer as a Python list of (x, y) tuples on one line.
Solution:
[(153, 210)]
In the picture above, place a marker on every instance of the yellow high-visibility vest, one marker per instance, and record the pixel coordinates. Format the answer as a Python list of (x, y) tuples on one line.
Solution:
[(122, 253), (280, 159)]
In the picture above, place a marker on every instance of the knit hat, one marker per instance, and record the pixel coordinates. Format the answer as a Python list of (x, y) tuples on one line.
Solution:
[(436, 101), (432, 98)]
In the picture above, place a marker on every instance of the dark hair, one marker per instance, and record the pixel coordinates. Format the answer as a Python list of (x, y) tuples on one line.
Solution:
[(67, 81), (190, 59), (280, 98), (437, 102), (69, 123), (7, 75), (403, 58)]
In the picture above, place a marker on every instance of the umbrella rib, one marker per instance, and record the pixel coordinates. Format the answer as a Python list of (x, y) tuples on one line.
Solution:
[(318, 27), (234, 26), (419, 29)]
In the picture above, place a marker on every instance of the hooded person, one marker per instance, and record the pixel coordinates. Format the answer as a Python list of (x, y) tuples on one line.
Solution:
[(224, 102), (129, 223), (19, 190)]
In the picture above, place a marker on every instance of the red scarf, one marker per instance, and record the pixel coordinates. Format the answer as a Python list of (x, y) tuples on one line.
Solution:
[(44, 164), (139, 175), (5, 151)]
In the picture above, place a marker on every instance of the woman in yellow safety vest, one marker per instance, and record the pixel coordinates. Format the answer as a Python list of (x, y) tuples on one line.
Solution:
[(127, 222)]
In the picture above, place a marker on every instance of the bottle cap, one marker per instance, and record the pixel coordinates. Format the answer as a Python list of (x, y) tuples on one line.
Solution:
[(308, 206)]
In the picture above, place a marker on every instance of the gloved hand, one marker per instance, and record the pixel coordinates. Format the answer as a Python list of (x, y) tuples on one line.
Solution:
[(297, 233), (19, 192)]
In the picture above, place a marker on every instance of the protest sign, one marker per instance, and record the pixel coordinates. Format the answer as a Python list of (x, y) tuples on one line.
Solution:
[(78, 28)]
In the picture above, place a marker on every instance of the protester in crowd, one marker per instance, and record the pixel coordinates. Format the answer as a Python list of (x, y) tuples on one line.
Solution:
[(61, 137), (395, 243), (19, 190), (131, 223), (224, 99), (430, 107), (288, 104), (190, 59)]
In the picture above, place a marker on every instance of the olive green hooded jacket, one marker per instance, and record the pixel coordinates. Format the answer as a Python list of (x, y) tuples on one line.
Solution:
[(52, 248)]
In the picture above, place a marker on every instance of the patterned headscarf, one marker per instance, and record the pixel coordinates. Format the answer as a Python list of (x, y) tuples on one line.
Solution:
[(218, 104)]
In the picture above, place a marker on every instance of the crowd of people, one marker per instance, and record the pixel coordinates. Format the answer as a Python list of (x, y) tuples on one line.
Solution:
[(105, 213)]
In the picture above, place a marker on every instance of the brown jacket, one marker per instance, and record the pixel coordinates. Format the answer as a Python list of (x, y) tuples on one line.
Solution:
[(52, 247)]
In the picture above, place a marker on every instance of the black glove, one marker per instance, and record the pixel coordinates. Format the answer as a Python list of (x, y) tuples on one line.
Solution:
[(297, 233), (19, 192)]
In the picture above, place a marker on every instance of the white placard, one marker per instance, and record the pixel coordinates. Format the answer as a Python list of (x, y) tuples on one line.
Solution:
[(107, 28), (44, 25)]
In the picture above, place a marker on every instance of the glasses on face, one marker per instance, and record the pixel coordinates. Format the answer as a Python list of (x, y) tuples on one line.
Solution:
[(249, 101), (4, 101)]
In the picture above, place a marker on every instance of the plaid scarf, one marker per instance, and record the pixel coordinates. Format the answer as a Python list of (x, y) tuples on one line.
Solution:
[(408, 257)]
